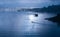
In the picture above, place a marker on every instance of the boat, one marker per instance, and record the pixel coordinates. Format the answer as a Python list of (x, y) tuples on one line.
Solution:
[(36, 15)]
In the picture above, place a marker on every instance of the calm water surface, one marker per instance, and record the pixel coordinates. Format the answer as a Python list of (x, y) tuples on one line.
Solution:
[(25, 24)]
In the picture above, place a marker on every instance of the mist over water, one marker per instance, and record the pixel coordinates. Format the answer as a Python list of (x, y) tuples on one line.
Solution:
[(24, 24), (17, 21)]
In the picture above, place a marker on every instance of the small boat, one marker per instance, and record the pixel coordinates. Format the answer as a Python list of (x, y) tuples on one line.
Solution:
[(36, 15)]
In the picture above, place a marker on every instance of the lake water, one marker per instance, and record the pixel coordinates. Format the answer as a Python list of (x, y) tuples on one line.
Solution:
[(25, 24)]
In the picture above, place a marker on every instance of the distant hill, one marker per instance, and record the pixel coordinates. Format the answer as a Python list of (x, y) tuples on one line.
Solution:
[(55, 19), (53, 8)]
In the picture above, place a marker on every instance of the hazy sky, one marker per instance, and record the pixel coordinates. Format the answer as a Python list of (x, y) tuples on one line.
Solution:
[(27, 3)]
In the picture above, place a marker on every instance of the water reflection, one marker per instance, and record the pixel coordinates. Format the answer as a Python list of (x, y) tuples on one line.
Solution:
[(21, 24), (32, 18)]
